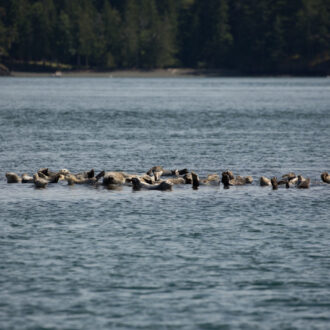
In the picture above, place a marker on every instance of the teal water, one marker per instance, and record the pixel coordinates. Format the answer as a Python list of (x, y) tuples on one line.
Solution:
[(91, 258)]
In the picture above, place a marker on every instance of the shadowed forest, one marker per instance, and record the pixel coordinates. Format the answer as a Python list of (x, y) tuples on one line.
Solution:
[(245, 36)]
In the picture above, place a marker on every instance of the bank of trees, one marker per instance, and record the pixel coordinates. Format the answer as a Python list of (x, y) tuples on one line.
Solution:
[(253, 36)]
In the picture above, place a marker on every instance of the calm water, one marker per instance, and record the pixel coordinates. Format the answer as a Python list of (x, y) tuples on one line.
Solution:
[(91, 258)]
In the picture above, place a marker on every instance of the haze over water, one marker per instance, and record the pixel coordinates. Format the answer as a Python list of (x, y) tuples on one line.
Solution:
[(80, 257)]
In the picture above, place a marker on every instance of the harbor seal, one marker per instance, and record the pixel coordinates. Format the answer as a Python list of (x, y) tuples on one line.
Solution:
[(238, 181), (325, 177), (274, 183), (117, 178), (264, 181), (12, 177), (225, 180), (211, 179), (74, 179), (160, 171), (27, 178), (188, 178), (138, 184), (303, 183), (39, 182)]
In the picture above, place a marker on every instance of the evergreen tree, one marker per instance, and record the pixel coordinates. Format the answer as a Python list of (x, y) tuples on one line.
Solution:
[(221, 39), (313, 29), (43, 20), (3, 34), (65, 48), (112, 36), (22, 45), (188, 34), (86, 36), (149, 34), (253, 36), (130, 50)]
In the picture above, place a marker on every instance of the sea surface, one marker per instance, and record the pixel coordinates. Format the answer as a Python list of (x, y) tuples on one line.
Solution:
[(84, 257)]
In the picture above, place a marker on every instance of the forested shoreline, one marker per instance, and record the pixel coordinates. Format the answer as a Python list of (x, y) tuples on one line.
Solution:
[(246, 36)]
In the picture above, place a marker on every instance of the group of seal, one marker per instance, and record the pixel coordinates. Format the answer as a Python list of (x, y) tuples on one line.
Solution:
[(288, 180), (152, 179)]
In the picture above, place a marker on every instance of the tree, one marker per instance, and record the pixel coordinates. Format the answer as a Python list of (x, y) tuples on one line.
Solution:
[(221, 39), (130, 49), (3, 34), (112, 36), (43, 20), (65, 47), (22, 45)]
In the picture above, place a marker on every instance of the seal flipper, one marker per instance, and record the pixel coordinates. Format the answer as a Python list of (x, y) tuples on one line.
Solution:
[(100, 175)]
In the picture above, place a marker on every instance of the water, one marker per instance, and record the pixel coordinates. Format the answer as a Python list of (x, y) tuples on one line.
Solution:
[(90, 258)]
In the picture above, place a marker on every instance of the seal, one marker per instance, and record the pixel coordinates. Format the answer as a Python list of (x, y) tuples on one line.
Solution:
[(144, 178), (27, 178), (85, 175), (163, 185), (303, 183), (274, 183), (117, 178), (177, 180), (74, 179), (289, 176), (64, 171), (325, 177), (52, 177), (225, 180), (230, 174), (39, 182), (211, 179), (264, 181), (239, 180), (288, 179), (188, 178), (12, 177), (159, 171)]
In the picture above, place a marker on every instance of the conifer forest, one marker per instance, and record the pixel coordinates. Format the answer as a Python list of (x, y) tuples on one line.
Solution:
[(246, 36)]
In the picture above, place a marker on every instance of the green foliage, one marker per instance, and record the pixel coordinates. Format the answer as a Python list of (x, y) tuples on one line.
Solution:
[(253, 36)]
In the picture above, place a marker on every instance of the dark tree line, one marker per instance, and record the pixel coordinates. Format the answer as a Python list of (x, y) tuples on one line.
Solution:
[(253, 36)]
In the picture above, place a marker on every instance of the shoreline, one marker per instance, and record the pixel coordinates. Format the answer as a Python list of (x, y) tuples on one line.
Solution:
[(156, 73)]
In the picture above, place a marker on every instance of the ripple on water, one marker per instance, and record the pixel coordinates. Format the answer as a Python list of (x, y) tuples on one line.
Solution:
[(85, 257)]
